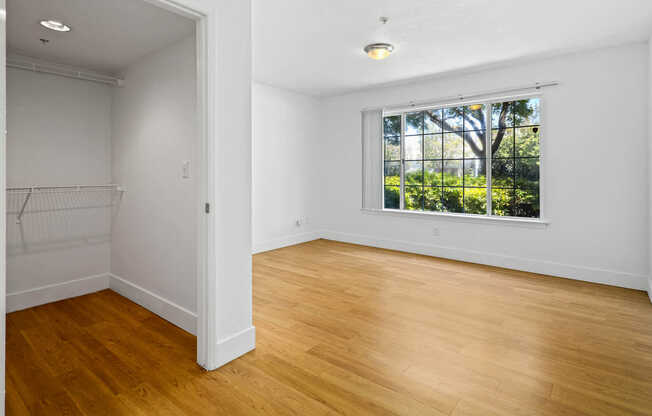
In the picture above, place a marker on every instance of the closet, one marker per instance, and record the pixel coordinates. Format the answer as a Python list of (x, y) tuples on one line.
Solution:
[(102, 151)]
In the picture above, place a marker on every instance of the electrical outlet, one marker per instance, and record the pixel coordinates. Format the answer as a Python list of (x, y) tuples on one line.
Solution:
[(435, 232)]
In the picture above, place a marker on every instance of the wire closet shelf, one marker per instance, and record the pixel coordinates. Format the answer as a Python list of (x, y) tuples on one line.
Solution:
[(31, 191)]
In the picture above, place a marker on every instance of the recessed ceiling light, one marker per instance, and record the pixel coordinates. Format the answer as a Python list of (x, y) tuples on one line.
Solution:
[(379, 50), (55, 25)]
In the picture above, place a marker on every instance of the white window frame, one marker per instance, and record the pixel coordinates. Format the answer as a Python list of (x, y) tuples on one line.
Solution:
[(464, 217)]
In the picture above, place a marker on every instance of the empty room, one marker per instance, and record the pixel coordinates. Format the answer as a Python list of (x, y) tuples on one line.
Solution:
[(286, 207)]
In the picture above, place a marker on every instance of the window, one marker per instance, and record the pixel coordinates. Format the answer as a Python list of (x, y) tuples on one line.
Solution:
[(437, 159)]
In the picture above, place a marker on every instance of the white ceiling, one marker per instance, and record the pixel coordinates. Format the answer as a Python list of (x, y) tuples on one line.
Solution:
[(315, 47), (106, 36)]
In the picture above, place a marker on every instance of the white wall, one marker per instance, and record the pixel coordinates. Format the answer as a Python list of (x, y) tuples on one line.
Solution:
[(58, 134), (596, 185), (154, 130), (285, 181)]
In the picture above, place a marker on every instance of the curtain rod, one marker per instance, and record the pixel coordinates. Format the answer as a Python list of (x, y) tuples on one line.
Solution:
[(45, 68), (463, 97)]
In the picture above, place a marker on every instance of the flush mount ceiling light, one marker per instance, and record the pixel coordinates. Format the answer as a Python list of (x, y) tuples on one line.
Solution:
[(55, 25), (379, 50)]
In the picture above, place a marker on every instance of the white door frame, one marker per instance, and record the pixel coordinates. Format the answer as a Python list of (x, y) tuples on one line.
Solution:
[(205, 20), (204, 14), (3, 207), (225, 329)]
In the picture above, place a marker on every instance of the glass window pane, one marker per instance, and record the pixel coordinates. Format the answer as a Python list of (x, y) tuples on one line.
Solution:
[(414, 123), (432, 121), (474, 144), (453, 173), (526, 203), (413, 173), (432, 199), (392, 125), (432, 146), (527, 141), (474, 117), (474, 172), (452, 200), (393, 173), (433, 173), (413, 198), (504, 139), (502, 202), (393, 148), (453, 147), (502, 173), (453, 119), (392, 197), (445, 167), (475, 200), (527, 173), (501, 115), (526, 112), (413, 147)]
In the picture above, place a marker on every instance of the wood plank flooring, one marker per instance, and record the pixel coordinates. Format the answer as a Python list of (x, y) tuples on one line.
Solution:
[(345, 329)]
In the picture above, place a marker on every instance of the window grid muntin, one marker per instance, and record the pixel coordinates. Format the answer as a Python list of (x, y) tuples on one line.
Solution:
[(441, 135), (512, 129), (511, 125)]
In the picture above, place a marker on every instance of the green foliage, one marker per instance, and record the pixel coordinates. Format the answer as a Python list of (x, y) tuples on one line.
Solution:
[(452, 199), (413, 198), (502, 202), (515, 202), (522, 201), (475, 200), (392, 197), (392, 126)]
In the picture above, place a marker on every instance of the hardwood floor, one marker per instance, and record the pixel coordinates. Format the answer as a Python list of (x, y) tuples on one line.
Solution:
[(346, 329)]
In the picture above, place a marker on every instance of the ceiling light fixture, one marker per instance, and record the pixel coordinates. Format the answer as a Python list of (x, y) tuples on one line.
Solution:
[(55, 25), (380, 50)]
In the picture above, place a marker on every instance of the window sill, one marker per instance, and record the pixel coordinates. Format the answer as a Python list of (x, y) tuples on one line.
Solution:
[(467, 218)]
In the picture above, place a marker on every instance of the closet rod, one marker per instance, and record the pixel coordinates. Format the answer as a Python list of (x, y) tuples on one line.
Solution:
[(64, 72)]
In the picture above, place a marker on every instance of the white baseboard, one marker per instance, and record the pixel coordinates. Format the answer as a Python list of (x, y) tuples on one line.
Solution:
[(170, 311), (235, 346), (588, 274), (285, 241), (59, 291)]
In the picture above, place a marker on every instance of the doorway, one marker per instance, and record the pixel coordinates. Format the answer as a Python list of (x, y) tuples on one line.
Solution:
[(94, 159)]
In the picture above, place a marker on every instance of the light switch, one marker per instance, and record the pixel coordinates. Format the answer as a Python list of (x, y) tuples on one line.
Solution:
[(185, 169)]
